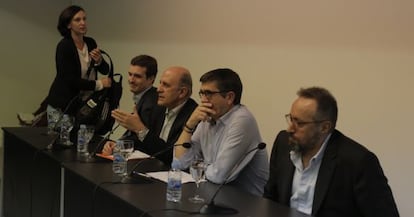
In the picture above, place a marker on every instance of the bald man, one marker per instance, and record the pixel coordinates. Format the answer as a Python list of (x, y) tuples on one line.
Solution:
[(175, 106)]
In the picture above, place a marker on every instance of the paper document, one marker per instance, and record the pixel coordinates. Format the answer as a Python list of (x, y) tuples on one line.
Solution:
[(138, 155), (135, 155), (163, 176)]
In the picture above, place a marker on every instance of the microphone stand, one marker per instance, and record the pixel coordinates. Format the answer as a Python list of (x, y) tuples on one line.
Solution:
[(211, 208), (139, 178)]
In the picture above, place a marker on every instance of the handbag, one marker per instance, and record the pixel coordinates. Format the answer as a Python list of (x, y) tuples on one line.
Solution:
[(96, 109)]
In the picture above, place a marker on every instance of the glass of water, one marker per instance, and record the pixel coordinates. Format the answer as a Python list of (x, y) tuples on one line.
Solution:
[(122, 150), (197, 172), (52, 118), (66, 126), (90, 131)]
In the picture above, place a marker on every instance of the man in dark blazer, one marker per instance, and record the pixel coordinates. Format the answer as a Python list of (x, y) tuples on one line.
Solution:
[(317, 170), (141, 75), (174, 108)]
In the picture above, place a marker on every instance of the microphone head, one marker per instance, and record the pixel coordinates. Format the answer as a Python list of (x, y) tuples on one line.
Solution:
[(186, 145), (261, 146)]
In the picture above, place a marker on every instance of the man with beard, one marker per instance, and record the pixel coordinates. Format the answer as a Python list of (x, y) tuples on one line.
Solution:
[(317, 170)]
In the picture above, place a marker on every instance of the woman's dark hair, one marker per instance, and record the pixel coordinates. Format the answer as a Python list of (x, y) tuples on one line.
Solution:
[(66, 17)]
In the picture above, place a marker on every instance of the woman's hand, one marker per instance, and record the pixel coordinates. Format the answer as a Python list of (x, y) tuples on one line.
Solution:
[(96, 55), (106, 82)]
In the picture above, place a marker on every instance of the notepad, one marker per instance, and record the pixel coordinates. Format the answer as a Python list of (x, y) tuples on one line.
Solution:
[(163, 176), (135, 155)]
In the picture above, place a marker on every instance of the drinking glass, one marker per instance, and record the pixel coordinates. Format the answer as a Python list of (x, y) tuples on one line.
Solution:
[(52, 118), (90, 131), (197, 172), (66, 126), (126, 149)]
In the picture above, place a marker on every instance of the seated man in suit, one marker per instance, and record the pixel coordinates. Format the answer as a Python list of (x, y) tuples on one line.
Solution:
[(317, 170), (225, 133), (174, 108), (141, 75)]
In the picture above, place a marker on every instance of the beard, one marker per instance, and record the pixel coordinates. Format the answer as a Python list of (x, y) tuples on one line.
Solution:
[(294, 145), (305, 147)]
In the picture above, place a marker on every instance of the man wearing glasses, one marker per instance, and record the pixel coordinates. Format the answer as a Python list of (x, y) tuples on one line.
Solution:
[(317, 170), (222, 131)]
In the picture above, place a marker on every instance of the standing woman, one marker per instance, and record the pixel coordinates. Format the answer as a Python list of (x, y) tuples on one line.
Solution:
[(74, 54)]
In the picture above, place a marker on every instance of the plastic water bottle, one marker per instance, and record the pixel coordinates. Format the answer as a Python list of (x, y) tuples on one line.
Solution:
[(174, 185), (65, 128), (82, 140), (119, 164)]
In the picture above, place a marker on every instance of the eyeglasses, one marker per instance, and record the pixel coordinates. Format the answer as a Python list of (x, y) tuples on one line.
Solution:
[(295, 122), (208, 93)]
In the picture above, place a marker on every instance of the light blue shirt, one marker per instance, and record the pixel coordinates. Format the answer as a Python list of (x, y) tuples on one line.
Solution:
[(304, 179), (224, 144)]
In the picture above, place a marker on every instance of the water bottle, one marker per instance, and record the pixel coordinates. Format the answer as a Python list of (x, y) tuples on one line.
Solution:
[(174, 185), (119, 164), (82, 140), (65, 128)]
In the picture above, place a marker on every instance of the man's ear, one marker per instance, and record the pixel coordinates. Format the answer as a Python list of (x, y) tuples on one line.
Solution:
[(184, 91), (152, 78), (326, 126), (230, 96)]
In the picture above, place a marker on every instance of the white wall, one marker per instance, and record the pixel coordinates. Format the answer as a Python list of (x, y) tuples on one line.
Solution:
[(360, 50), (27, 49)]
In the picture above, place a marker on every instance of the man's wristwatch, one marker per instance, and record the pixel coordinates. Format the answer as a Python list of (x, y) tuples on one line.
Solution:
[(142, 134)]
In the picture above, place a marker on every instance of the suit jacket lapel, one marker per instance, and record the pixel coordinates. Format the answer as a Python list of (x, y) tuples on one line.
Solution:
[(160, 116), (288, 170), (179, 121), (325, 172), (286, 189), (141, 102)]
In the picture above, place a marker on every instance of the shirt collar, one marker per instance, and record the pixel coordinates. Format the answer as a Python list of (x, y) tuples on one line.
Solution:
[(296, 157), (225, 119), (318, 156), (175, 110), (137, 97)]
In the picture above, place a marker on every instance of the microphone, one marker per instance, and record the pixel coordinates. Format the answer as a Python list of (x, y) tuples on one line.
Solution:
[(211, 208), (135, 177)]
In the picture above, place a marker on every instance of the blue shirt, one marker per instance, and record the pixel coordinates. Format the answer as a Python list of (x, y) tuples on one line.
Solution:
[(223, 144), (304, 179)]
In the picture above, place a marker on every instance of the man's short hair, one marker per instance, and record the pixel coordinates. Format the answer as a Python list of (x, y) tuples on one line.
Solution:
[(187, 81), (227, 80), (327, 107), (148, 62)]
